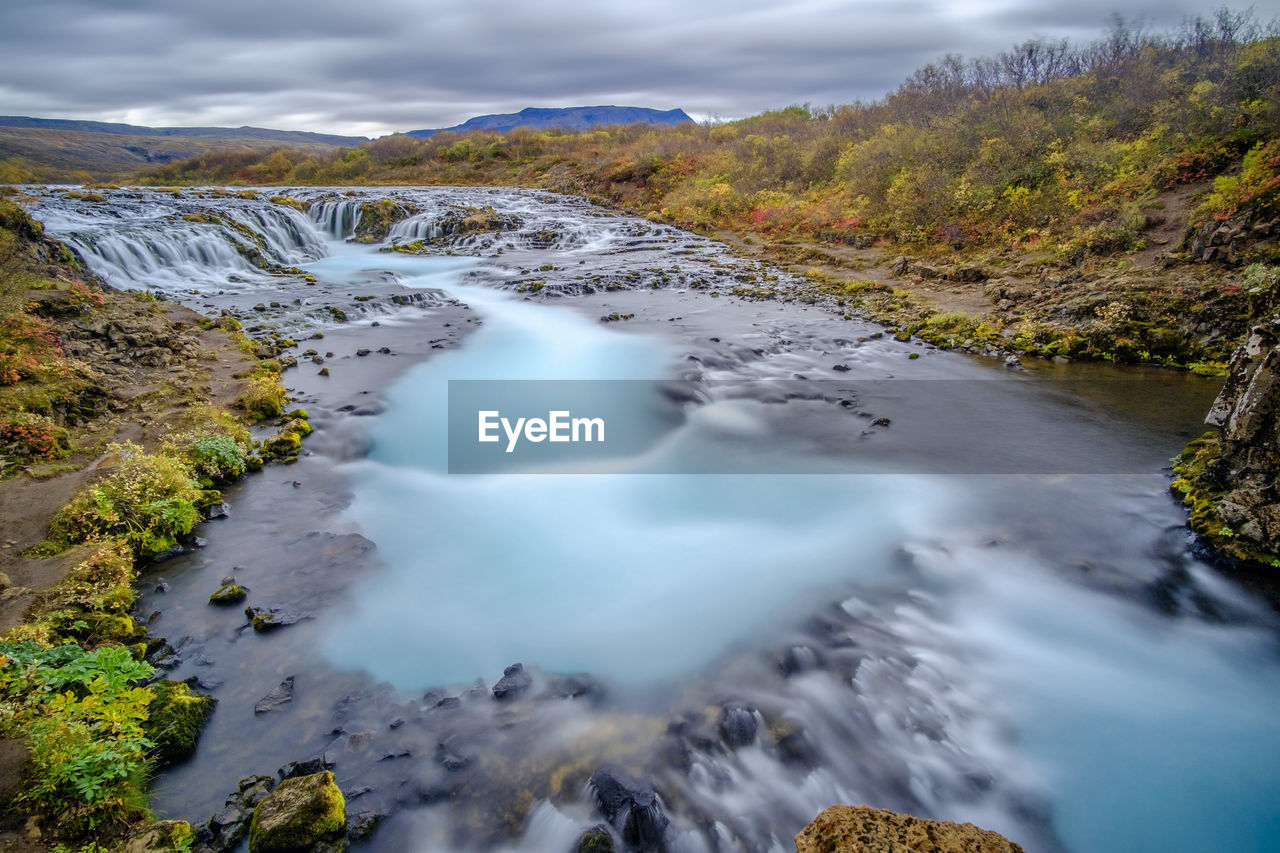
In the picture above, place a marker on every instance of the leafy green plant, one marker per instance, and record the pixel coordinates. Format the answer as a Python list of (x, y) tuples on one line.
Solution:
[(150, 500), (83, 713)]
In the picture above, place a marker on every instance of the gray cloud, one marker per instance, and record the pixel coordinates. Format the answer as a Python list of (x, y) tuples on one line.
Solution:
[(383, 65)]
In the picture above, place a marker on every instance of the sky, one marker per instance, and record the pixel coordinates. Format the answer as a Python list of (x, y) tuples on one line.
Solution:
[(371, 67)]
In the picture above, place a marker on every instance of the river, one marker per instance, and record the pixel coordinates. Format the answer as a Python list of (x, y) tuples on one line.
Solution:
[(815, 564)]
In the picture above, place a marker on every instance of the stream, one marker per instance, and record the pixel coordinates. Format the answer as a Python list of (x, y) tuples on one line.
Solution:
[(812, 565)]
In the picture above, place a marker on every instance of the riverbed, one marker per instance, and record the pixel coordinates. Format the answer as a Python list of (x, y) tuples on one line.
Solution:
[(825, 566)]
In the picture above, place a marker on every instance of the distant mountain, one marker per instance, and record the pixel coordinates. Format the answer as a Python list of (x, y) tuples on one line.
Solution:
[(58, 149), (567, 118), (288, 137)]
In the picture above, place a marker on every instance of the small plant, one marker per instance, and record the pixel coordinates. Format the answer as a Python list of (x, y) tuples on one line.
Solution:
[(264, 398), (150, 500), (26, 435), (83, 713)]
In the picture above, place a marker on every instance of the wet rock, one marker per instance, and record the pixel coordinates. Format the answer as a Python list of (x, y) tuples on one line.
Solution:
[(738, 726), (269, 619), (176, 715), (362, 352), (231, 593), (862, 828), (361, 825), (1012, 361), (633, 810), (595, 840), (840, 368), (301, 814), (309, 767), (514, 681), (276, 699)]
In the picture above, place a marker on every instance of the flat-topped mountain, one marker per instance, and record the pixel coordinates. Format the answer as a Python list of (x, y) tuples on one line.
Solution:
[(566, 118)]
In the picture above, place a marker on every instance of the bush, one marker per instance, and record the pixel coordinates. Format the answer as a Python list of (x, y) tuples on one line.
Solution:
[(215, 448), (83, 714), (149, 500), (264, 398), (27, 435)]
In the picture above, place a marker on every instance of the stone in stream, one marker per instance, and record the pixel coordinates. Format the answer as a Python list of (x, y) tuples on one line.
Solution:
[(514, 681), (175, 717), (277, 698), (595, 840), (302, 814), (738, 726), (231, 593), (634, 810)]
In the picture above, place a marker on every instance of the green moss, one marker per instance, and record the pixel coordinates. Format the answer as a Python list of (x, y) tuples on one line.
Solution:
[(230, 594), (175, 717), (300, 814)]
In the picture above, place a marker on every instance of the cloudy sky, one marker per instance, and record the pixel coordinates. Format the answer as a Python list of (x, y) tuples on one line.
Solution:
[(369, 67)]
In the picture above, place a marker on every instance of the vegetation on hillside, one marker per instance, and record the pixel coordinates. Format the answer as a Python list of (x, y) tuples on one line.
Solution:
[(76, 684), (1046, 146)]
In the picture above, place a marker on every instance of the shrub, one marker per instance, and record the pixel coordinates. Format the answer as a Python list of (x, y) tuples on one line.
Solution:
[(83, 713), (149, 500), (264, 398), (27, 435)]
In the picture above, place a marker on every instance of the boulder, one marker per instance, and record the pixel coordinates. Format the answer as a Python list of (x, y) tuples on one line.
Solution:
[(514, 681), (301, 814), (167, 836), (632, 809), (175, 717), (862, 829), (595, 840)]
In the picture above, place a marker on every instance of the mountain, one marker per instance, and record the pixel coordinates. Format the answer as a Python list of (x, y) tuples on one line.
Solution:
[(56, 149), (566, 118)]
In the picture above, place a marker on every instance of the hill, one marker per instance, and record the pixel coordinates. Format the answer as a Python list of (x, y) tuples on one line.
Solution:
[(62, 150), (567, 118)]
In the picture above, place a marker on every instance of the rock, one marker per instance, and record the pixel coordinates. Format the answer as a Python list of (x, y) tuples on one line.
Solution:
[(232, 593), (5, 583), (738, 726), (840, 368), (362, 824), (862, 829), (900, 266), (168, 836), (276, 699), (309, 767), (175, 717), (635, 811), (1228, 477), (595, 840), (269, 619), (301, 814), (362, 352), (1012, 361), (514, 681)]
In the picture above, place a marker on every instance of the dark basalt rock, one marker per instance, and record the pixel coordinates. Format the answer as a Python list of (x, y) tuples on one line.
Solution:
[(738, 726), (634, 810), (276, 699), (514, 681), (309, 767)]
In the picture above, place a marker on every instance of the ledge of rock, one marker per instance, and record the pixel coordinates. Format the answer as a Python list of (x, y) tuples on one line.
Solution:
[(862, 829), (1228, 477)]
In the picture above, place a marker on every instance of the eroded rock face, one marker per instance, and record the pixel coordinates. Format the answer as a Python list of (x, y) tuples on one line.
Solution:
[(862, 829), (1229, 478), (302, 814)]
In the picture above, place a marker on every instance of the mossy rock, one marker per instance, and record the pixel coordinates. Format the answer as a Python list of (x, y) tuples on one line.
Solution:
[(301, 814), (595, 840), (167, 836), (284, 446), (296, 426), (299, 414), (175, 717), (232, 593)]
